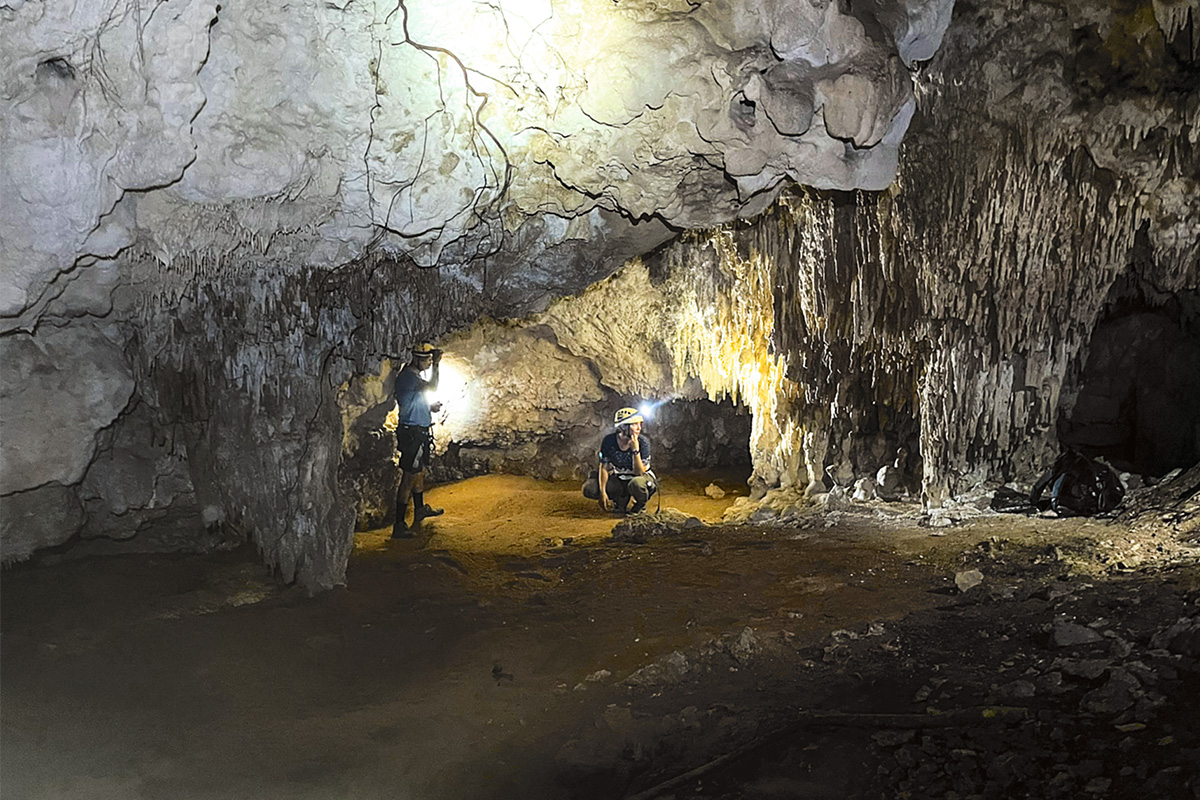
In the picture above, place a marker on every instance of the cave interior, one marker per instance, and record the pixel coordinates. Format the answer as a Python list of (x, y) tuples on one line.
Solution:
[(869, 265)]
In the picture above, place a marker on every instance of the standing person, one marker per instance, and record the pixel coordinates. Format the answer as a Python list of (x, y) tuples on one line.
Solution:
[(624, 473), (414, 435)]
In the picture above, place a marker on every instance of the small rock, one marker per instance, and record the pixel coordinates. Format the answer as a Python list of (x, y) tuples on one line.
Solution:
[(1132, 481), (714, 491), (835, 498), (925, 691), (1019, 689), (763, 514), (814, 490), (893, 738), (864, 489), (745, 646), (1113, 697), (598, 675), (836, 653), (968, 580), (667, 670), (889, 482), (1086, 668), (1051, 683), (1068, 634), (1183, 637), (1130, 727), (640, 528)]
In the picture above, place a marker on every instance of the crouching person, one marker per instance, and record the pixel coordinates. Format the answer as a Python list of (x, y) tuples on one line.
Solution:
[(624, 480)]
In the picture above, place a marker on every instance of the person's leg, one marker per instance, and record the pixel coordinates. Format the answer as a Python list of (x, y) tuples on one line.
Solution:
[(409, 470), (591, 488), (618, 492), (640, 489), (421, 510), (418, 493), (403, 493)]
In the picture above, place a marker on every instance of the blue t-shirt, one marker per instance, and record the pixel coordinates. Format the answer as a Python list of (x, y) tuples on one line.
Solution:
[(410, 394), (620, 462)]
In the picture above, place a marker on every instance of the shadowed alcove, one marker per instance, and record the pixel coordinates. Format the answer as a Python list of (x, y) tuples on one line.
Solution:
[(1136, 404)]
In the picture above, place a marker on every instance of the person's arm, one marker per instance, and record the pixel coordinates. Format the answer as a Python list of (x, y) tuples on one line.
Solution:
[(635, 447), (399, 387), (434, 374), (605, 503), (437, 371)]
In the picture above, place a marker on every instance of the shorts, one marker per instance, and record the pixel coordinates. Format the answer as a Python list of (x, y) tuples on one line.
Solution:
[(415, 445)]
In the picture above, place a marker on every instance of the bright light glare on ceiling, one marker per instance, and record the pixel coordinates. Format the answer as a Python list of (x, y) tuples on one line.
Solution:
[(648, 408), (452, 390)]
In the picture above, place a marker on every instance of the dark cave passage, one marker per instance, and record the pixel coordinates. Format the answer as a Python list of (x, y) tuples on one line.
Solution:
[(1138, 404)]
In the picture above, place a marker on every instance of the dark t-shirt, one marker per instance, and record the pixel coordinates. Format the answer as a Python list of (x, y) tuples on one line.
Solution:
[(620, 462)]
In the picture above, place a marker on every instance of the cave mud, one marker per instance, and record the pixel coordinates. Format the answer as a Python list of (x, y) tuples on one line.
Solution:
[(516, 651)]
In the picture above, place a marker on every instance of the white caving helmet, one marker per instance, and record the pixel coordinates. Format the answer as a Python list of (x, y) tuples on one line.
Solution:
[(627, 416)]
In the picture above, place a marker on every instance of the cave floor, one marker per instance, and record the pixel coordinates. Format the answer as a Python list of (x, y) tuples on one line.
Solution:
[(515, 651)]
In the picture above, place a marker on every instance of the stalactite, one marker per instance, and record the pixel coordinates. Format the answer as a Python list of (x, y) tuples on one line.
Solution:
[(246, 356), (1177, 17), (959, 304)]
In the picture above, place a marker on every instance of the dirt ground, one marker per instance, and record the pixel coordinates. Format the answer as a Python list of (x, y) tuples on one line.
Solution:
[(515, 650)]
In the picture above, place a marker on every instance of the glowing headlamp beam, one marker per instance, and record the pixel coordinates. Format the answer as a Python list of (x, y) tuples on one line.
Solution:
[(647, 408)]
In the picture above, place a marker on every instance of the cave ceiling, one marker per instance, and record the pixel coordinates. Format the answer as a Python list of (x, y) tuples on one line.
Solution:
[(440, 131)]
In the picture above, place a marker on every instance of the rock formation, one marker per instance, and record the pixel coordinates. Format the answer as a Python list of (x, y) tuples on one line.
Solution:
[(220, 222)]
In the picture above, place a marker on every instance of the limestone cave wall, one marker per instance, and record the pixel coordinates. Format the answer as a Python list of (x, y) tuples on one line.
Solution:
[(1053, 155), (226, 209), (946, 322), (222, 225)]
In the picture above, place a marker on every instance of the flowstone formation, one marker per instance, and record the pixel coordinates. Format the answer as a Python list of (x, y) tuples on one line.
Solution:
[(936, 334), (240, 200)]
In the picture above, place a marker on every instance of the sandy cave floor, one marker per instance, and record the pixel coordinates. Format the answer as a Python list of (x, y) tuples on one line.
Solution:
[(515, 651)]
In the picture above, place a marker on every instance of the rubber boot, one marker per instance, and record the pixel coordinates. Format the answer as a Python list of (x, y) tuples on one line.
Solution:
[(400, 529)]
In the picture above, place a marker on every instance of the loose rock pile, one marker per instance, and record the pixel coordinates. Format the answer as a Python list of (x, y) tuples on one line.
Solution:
[(1046, 686), (1105, 718), (639, 528)]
